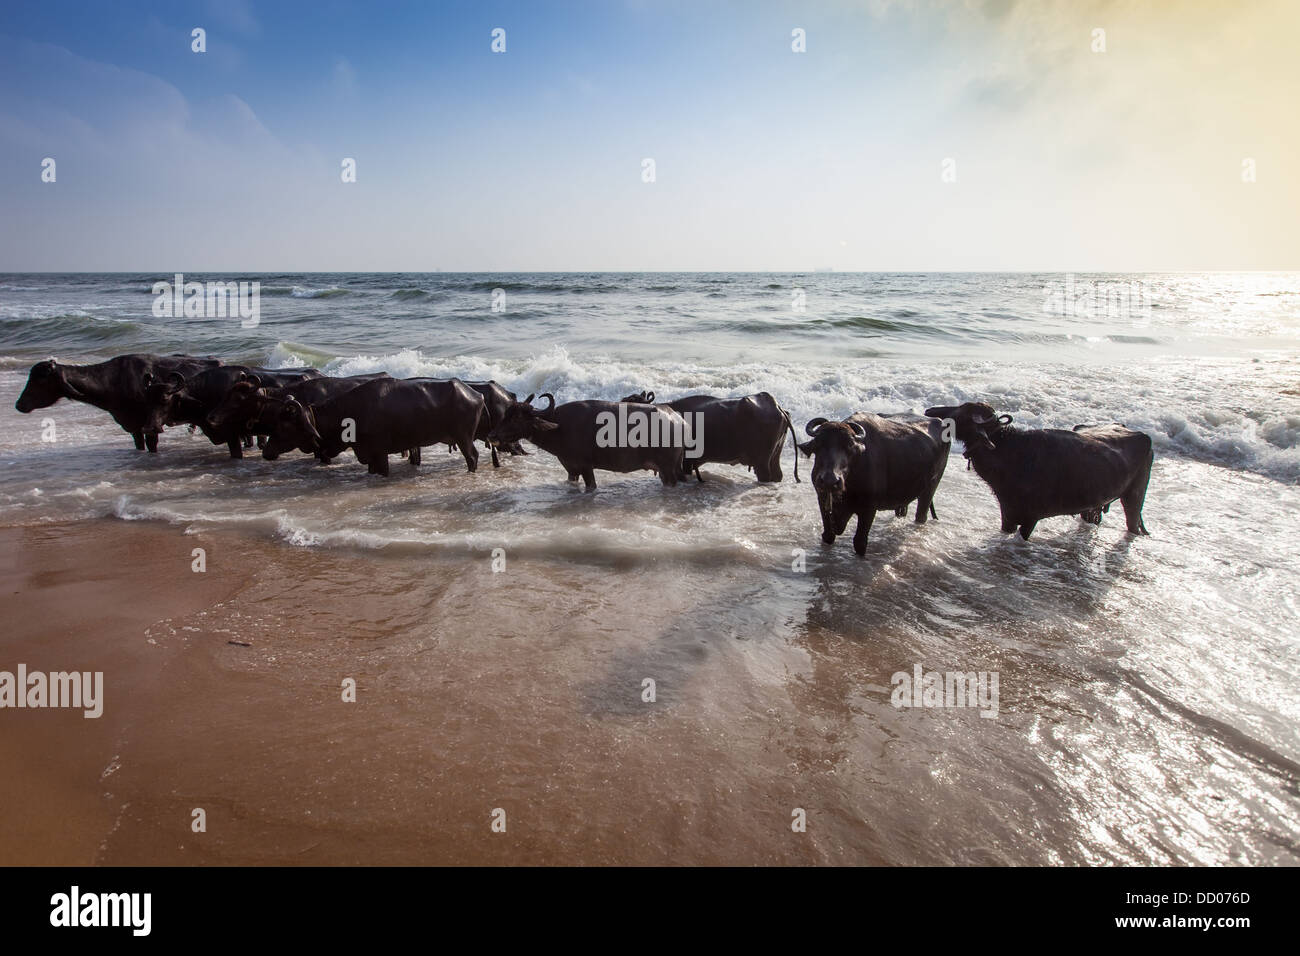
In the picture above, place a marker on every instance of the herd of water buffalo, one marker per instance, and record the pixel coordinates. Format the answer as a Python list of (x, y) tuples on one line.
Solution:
[(863, 464)]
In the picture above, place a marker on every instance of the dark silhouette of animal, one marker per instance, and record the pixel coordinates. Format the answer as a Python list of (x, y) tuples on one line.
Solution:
[(573, 432), (1038, 473), (383, 417), (747, 431), (176, 399), (867, 463), (119, 386)]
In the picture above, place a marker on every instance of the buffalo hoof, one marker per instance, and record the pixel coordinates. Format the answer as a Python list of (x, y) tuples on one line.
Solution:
[(828, 537)]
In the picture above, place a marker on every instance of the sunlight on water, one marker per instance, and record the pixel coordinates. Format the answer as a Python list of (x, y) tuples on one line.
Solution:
[(1147, 712)]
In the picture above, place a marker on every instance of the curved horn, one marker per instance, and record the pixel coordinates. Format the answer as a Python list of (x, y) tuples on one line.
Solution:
[(650, 398), (254, 380), (857, 429), (1004, 419), (812, 426), (551, 397), (175, 378), (528, 400)]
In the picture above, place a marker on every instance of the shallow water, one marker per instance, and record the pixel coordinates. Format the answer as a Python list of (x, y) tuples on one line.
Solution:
[(1147, 705)]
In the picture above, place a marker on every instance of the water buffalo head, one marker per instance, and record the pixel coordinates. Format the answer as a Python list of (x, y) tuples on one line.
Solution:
[(240, 406), (639, 398), (46, 384), (833, 446), (972, 423), (167, 401), (522, 420), (293, 425)]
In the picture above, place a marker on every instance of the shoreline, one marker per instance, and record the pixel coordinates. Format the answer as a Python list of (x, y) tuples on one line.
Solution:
[(287, 773), (524, 692)]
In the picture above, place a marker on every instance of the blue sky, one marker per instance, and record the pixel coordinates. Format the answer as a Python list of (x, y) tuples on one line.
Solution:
[(1065, 157)]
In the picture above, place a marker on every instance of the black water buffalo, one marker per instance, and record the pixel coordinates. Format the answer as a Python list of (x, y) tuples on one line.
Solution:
[(868, 462), (253, 408), (384, 417), (1038, 473), (746, 431), (119, 386), (176, 399), (611, 436), (498, 400)]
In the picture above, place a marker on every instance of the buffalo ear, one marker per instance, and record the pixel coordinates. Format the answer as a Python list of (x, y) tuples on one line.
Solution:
[(542, 425), (806, 448), (175, 378)]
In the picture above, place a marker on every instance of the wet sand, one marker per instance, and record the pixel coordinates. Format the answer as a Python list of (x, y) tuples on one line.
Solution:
[(522, 691), (475, 691)]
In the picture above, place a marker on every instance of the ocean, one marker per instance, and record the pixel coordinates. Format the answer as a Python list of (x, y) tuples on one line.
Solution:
[(1148, 708)]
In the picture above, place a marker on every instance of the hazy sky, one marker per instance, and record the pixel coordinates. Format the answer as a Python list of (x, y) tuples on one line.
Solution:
[(765, 159)]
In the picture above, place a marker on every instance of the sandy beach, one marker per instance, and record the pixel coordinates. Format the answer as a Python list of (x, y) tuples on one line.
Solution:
[(464, 705)]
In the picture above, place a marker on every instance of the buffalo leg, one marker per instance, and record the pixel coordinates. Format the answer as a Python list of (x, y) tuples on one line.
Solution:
[(828, 528), (864, 528), (151, 442), (772, 470), (414, 455), (248, 441), (1133, 499), (236, 451), (923, 507), (138, 438), (1009, 523), (589, 478), (900, 512), (379, 464), (470, 452), (1027, 528)]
